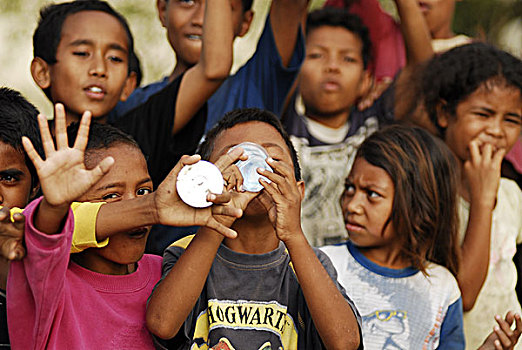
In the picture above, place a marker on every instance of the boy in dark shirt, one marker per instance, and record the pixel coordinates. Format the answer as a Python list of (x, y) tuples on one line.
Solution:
[(266, 288), (263, 82), (81, 59), (324, 125)]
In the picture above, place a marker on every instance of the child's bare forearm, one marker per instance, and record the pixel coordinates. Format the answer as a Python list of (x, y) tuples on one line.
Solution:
[(331, 313), (285, 19), (175, 297), (131, 214), (48, 218), (218, 36), (415, 32), (202, 80), (475, 253)]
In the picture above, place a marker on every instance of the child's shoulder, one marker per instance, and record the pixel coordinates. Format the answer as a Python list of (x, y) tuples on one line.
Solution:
[(509, 190), (334, 252), (441, 277), (509, 199)]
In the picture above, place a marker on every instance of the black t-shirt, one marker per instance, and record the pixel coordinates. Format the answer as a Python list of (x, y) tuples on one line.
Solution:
[(4, 335), (150, 124)]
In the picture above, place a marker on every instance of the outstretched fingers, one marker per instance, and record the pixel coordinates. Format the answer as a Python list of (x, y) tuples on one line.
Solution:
[(101, 169), (60, 127), (31, 152), (47, 139), (82, 138)]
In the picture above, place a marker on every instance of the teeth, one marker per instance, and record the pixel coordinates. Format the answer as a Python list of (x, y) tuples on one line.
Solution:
[(95, 89), (195, 37)]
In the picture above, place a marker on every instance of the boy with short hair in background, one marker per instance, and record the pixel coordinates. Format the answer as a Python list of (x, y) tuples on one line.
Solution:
[(81, 59), (325, 126), (263, 82)]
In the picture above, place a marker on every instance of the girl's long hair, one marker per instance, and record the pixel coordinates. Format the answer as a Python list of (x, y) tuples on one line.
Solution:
[(425, 176)]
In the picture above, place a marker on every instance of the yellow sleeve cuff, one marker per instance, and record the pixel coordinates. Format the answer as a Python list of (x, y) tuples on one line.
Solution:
[(84, 235)]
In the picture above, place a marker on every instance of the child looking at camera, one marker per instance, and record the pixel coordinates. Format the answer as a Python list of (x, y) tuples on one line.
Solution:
[(95, 298)]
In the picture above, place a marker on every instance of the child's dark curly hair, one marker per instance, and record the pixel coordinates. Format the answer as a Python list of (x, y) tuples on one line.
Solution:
[(451, 77)]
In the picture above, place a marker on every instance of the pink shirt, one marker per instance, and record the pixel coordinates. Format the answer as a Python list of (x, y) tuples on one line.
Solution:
[(53, 303)]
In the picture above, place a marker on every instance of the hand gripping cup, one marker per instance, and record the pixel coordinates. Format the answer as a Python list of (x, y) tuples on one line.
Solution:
[(195, 181), (256, 159)]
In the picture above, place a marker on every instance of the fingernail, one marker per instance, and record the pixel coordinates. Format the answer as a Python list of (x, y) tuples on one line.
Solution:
[(270, 160), (240, 188), (497, 317), (212, 197)]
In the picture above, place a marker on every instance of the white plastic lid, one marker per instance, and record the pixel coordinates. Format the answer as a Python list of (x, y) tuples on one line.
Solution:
[(196, 181)]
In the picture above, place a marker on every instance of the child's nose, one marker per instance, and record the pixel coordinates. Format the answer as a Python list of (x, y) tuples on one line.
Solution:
[(494, 127), (354, 204), (332, 65), (199, 14), (98, 66)]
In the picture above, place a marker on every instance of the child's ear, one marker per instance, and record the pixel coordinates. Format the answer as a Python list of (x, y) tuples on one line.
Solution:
[(130, 85), (34, 191), (366, 83), (248, 16), (301, 188), (40, 72), (442, 115), (162, 12)]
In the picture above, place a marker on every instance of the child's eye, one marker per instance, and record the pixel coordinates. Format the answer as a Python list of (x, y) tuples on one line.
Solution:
[(80, 53), (482, 114), (349, 189), (349, 59), (116, 59), (314, 55), (186, 2), (9, 178), (514, 120), (110, 196), (143, 191), (373, 194)]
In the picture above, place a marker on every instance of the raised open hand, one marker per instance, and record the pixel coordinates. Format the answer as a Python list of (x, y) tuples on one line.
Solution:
[(63, 176)]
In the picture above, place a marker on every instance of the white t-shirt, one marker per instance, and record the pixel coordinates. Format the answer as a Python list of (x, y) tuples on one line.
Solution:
[(498, 294)]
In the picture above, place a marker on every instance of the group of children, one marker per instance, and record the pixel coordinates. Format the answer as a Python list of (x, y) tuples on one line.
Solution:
[(425, 226)]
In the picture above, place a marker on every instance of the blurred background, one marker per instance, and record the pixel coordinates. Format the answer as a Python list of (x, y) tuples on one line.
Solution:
[(496, 21)]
